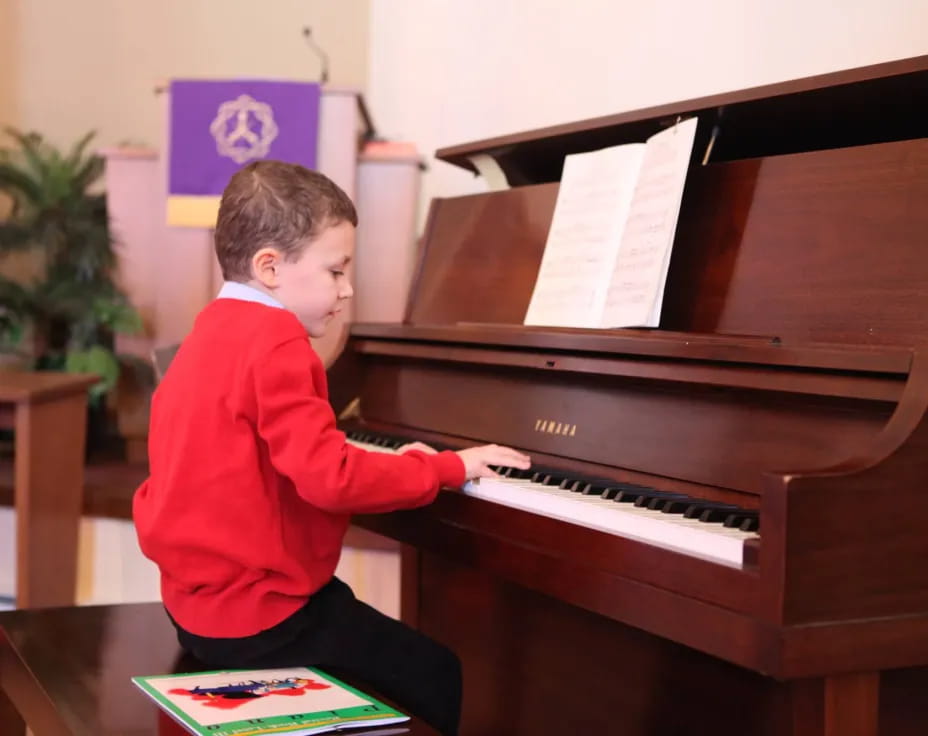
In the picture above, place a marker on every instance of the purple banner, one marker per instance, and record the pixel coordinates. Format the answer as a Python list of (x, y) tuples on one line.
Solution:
[(218, 127)]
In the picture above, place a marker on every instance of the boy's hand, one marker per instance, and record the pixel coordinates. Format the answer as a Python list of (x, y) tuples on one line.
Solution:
[(420, 446), (478, 459)]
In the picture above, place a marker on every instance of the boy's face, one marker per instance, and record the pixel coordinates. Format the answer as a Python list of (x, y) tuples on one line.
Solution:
[(315, 285)]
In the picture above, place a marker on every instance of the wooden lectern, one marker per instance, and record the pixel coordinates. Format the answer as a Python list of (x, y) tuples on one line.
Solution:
[(48, 412)]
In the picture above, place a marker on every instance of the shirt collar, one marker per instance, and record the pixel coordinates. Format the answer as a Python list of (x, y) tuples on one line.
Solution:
[(244, 292)]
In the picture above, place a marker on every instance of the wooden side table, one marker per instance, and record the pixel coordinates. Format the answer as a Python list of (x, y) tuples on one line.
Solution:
[(48, 412)]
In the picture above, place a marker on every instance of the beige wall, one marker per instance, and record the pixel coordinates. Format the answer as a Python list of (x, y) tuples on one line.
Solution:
[(8, 106), (93, 64), (449, 72)]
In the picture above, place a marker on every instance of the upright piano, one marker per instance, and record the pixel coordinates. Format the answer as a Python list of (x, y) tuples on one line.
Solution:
[(726, 527)]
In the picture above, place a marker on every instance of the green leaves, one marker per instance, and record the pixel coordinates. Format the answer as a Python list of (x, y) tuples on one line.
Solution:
[(95, 359), (75, 306)]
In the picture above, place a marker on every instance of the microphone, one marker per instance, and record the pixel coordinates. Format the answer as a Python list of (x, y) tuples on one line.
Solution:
[(323, 56)]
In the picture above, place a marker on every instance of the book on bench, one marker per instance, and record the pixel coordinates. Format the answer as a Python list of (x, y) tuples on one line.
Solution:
[(293, 700)]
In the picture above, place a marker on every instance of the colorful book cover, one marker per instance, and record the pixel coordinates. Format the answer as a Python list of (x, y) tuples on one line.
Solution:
[(293, 700)]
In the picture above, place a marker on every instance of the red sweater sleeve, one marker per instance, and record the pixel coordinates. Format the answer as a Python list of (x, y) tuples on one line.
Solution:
[(296, 421)]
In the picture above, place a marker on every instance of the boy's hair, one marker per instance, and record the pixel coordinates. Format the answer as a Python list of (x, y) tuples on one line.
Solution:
[(273, 203)]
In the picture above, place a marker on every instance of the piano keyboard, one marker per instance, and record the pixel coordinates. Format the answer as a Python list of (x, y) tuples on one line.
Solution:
[(681, 523)]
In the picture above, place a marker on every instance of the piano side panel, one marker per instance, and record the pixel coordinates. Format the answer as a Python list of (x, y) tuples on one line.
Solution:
[(722, 438), (533, 664), (856, 549), (856, 544)]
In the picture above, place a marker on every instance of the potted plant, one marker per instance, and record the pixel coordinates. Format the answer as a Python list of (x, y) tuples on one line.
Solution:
[(61, 309)]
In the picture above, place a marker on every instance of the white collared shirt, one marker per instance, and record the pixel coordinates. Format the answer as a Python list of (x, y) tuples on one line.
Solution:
[(246, 293)]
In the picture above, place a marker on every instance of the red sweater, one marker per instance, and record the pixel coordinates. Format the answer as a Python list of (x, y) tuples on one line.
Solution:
[(251, 484)]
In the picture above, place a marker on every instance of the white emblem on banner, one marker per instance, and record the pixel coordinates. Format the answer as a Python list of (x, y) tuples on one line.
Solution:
[(244, 129)]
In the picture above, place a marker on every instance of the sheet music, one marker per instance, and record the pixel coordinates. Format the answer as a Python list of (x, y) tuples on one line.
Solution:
[(636, 288), (592, 206), (491, 171)]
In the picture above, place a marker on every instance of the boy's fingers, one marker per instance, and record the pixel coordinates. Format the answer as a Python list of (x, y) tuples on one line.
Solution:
[(420, 446), (486, 472), (512, 458)]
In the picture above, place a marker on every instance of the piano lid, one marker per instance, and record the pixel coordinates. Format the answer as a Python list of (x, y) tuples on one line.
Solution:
[(872, 104)]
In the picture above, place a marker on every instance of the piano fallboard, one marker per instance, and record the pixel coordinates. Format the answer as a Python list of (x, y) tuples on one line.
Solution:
[(731, 408)]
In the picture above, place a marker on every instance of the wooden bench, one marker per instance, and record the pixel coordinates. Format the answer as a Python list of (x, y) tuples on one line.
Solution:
[(67, 670)]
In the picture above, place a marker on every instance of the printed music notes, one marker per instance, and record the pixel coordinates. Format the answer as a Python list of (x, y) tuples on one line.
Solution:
[(608, 248)]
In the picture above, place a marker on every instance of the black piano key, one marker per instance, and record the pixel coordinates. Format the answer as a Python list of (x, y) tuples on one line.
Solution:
[(658, 503), (695, 510), (647, 496), (633, 495), (547, 477), (577, 485), (678, 505), (593, 489), (750, 524), (717, 514), (735, 519)]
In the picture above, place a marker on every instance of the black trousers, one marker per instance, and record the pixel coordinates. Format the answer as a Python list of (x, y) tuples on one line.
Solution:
[(343, 636)]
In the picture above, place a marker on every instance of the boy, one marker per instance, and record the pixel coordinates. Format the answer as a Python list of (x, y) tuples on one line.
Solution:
[(251, 484)]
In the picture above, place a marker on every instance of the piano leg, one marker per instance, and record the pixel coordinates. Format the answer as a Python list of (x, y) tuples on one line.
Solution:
[(852, 704), (840, 705)]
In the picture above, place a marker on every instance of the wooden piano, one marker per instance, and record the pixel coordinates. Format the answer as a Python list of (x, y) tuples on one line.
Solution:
[(780, 409)]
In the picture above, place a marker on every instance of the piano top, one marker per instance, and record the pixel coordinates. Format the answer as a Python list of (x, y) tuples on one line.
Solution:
[(878, 103)]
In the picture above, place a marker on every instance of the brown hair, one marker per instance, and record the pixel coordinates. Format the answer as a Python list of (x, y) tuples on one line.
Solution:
[(273, 203)]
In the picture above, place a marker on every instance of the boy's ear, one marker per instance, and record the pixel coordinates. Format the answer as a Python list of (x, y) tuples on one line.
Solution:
[(264, 265)]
